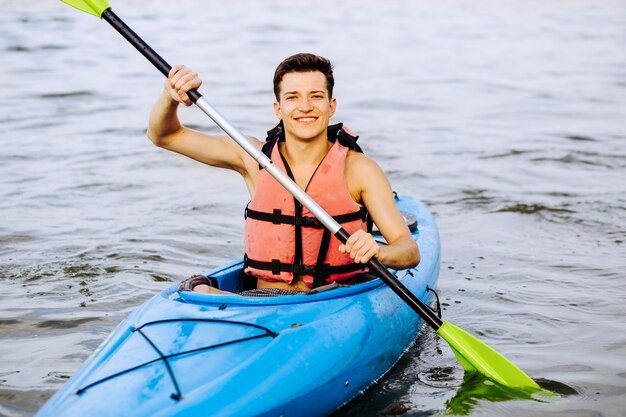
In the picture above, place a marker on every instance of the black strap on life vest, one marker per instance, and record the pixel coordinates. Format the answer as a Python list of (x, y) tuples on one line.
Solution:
[(297, 259), (276, 217), (320, 271), (299, 269)]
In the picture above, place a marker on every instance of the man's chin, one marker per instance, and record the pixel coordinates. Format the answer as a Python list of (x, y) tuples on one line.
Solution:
[(307, 132)]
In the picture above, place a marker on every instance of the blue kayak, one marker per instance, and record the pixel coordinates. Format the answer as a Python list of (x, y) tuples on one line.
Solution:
[(189, 354)]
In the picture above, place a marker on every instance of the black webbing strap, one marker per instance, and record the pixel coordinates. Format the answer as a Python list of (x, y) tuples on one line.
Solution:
[(298, 214), (369, 221), (267, 149), (277, 267), (276, 217), (321, 273), (336, 133)]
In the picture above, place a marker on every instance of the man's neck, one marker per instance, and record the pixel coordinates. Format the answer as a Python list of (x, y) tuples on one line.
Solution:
[(305, 152)]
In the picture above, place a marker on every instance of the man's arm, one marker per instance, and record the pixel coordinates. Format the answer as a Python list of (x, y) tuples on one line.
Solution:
[(369, 186), (166, 131)]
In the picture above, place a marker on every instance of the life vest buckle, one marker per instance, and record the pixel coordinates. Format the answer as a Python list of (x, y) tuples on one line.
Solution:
[(275, 266), (325, 270), (277, 216), (303, 269), (310, 222)]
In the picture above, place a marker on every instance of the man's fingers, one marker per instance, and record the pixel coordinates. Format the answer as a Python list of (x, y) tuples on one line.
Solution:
[(369, 254), (361, 247), (348, 247), (181, 77), (364, 254), (176, 73), (186, 84), (185, 98), (174, 70), (180, 80)]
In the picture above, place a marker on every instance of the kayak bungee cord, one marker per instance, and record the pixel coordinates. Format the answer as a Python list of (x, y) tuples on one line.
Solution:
[(178, 394), (473, 354)]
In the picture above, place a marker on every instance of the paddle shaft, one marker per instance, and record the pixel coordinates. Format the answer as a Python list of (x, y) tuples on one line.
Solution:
[(388, 278)]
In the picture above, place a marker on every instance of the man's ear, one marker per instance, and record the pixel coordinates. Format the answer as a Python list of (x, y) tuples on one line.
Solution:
[(277, 110), (332, 106)]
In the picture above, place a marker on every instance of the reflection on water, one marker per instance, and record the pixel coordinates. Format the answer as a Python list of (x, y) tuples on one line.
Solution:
[(475, 388), (506, 118)]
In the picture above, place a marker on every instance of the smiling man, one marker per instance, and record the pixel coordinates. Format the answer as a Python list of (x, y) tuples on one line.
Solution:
[(287, 251)]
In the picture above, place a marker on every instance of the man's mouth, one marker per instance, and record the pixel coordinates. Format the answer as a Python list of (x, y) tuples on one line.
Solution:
[(306, 119)]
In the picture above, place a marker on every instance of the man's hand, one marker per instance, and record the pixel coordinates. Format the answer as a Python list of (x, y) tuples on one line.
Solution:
[(180, 80), (361, 247)]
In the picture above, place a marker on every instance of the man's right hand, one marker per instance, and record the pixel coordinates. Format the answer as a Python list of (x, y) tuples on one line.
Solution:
[(180, 80)]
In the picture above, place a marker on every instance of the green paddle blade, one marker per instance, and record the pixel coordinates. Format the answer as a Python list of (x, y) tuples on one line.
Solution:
[(476, 356), (94, 7)]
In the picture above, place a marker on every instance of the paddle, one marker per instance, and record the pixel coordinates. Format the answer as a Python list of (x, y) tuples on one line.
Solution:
[(473, 354)]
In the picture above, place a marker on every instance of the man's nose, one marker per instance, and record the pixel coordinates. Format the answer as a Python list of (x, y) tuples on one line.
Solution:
[(305, 104)]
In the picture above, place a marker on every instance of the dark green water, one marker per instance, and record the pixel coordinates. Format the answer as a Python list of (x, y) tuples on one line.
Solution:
[(508, 118)]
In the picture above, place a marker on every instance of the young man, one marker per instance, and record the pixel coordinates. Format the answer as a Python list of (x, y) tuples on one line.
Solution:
[(342, 181)]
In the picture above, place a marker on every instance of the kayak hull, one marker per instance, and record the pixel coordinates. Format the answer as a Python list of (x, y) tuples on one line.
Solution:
[(189, 354)]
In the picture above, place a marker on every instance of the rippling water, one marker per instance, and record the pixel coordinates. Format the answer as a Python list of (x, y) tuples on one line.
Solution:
[(508, 118)]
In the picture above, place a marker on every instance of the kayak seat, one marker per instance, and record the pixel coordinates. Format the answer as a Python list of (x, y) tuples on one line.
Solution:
[(234, 280)]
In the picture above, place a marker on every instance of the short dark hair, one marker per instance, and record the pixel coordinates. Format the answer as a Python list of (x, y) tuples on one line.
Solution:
[(304, 62)]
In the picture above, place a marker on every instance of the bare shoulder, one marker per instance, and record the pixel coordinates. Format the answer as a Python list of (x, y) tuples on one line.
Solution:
[(249, 166), (363, 174), (248, 163), (361, 164), (369, 186)]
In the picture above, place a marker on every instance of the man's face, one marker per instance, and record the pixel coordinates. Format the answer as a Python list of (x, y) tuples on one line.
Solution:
[(304, 105)]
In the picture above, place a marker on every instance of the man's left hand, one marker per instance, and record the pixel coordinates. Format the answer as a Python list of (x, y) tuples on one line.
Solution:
[(361, 247)]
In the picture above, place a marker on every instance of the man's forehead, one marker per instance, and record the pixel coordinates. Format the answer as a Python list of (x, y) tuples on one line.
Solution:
[(310, 80)]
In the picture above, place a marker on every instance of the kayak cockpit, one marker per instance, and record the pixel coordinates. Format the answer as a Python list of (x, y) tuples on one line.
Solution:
[(231, 278)]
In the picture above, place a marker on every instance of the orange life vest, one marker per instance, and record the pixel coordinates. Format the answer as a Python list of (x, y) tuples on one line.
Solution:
[(282, 239)]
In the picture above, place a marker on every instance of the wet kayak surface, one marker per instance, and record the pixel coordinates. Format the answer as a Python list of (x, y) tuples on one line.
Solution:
[(505, 118)]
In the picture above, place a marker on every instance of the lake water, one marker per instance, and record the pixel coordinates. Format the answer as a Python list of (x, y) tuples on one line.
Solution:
[(507, 118)]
